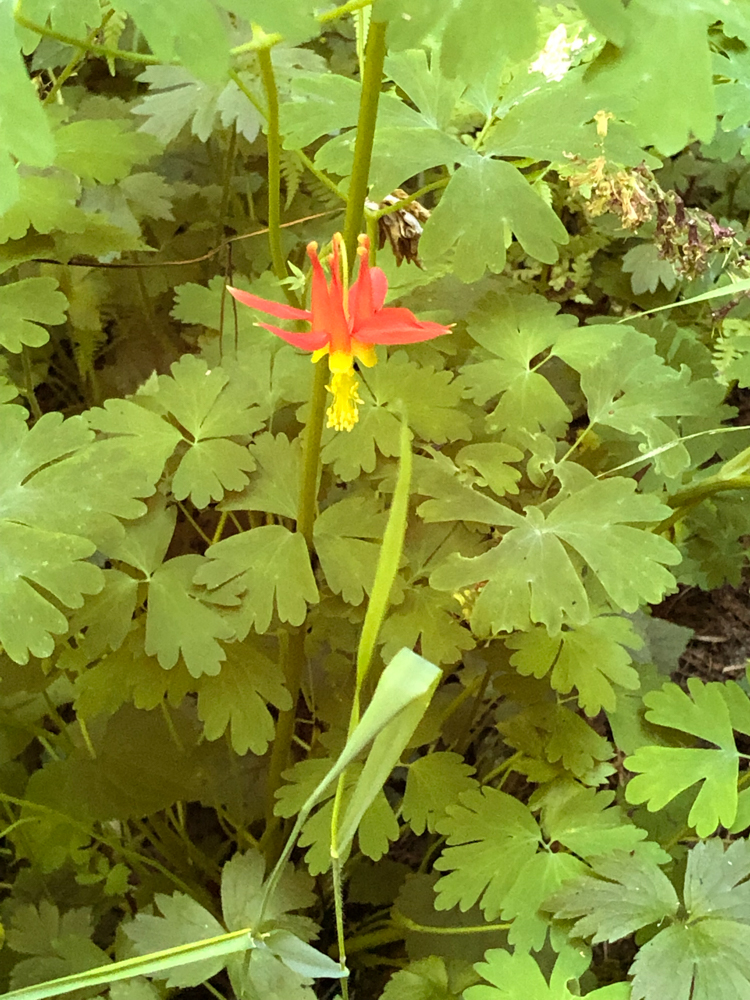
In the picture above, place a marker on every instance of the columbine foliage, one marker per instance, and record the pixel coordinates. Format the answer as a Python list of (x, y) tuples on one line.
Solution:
[(530, 441)]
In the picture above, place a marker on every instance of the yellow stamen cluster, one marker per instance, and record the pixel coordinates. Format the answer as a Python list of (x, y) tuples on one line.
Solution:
[(343, 413)]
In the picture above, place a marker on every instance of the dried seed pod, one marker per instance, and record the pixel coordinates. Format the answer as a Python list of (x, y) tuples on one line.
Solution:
[(401, 228)]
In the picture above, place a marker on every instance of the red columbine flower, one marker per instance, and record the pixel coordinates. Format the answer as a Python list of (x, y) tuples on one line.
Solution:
[(345, 323)]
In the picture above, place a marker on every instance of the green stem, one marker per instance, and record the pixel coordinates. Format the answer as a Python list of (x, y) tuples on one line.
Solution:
[(345, 8), (268, 41), (684, 500), (338, 896), (273, 138), (404, 202), (505, 766), (388, 563), (213, 991), (308, 163), (234, 75), (260, 44), (193, 523), (219, 531), (28, 377), (295, 655), (395, 932), (226, 187), (702, 491), (322, 177), (307, 507), (402, 921), (263, 41), (74, 62), (83, 43), (368, 113)]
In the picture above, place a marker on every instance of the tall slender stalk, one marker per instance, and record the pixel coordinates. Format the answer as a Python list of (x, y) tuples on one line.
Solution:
[(307, 507), (368, 114), (273, 138)]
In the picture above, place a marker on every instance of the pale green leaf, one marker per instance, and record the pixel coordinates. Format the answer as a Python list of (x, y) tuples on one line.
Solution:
[(35, 552), (554, 733), (179, 623), (399, 152), (707, 960), (176, 97), (597, 522), (540, 876), (134, 989), (606, 16), (196, 35), (585, 820), (433, 783), (491, 836), (515, 330), (236, 700), (378, 827), (427, 618), (708, 957), (61, 944), (270, 567), (428, 398), (716, 883), (454, 498), (301, 957), (480, 37), (591, 658), (24, 127), (518, 975), (211, 409), (71, 17), (46, 202), (490, 460), (619, 895), (148, 436), (663, 772), (646, 269), (274, 486), (320, 104), (302, 780), (426, 979), (662, 74), (147, 195), (242, 885), (347, 541), (480, 238), (262, 974), (33, 929), (548, 120), (105, 618), (103, 150), (24, 306), (422, 81), (630, 388), (145, 542), (291, 18), (410, 20), (45, 467)]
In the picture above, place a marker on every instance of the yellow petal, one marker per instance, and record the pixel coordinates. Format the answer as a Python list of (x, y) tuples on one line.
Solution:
[(343, 413)]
